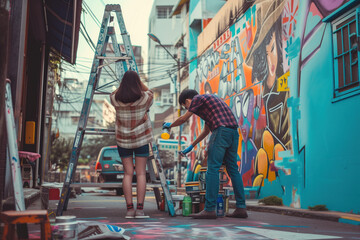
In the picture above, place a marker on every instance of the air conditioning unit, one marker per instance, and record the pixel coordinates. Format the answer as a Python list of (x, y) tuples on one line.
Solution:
[(167, 101)]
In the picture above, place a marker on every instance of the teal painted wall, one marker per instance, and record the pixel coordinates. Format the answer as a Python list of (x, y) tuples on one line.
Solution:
[(328, 130)]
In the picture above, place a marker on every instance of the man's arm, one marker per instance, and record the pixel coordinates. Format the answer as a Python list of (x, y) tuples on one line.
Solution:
[(202, 135), (182, 119)]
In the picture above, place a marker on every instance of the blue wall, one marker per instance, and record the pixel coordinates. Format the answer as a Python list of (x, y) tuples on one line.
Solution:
[(328, 130)]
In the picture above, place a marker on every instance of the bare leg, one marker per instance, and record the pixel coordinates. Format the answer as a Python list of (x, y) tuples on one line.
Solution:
[(140, 168), (127, 181)]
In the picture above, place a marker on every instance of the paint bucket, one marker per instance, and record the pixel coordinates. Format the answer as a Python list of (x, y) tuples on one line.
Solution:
[(202, 200), (162, 203), (66, 227), (226, 204), (195, 207), (202, 196), (202, 176), (178, 199), (191, 187), (222, 178), (195, 196), (186, 206), (165, 133)]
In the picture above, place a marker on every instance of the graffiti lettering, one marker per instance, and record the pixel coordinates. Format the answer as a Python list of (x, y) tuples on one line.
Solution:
[(214, 73), (283, 83), (232, 67)]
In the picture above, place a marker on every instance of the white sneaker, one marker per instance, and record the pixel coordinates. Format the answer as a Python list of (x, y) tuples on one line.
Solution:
[(140, 214), (130, 213)]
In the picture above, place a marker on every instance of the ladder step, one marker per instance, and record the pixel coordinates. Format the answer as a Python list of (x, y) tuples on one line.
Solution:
[(113, 7), (99, 131), (114, 58), (110, 185)]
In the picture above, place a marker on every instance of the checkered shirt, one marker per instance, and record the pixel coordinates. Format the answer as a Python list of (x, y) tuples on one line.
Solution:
[(213, 110), (133, 126)]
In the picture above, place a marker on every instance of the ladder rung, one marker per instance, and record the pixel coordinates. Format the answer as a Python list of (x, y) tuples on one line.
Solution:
[(114, 58), (99, 131), (113, 7), (110, 185)]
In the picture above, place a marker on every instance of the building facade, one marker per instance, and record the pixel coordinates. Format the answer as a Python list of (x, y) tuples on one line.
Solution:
[(162, 68), (289, 71), (36, 32)]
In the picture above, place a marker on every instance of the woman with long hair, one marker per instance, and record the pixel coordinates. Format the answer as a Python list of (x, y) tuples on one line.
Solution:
[(132, 101), (266, 59)]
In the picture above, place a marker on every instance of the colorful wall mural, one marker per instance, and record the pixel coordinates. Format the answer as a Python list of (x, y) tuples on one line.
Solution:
[(249, 67)]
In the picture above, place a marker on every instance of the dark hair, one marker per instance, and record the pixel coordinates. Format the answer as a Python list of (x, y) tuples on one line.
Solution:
[(130, 88), (187, 94), (260, 69)]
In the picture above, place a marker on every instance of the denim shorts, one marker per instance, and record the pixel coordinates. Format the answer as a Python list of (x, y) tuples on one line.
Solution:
[(142, 151)]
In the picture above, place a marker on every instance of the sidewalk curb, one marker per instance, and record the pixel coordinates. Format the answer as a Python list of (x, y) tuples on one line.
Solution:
[(253, 205), (328, 215), (30, 196), (293, 212)]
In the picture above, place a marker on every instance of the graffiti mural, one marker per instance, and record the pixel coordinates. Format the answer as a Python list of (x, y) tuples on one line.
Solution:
[(248, 67)]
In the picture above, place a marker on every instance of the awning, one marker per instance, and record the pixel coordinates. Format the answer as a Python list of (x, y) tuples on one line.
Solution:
[(63, 23)]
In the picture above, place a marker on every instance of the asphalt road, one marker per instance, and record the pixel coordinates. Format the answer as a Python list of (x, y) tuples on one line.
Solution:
[(104, 207)]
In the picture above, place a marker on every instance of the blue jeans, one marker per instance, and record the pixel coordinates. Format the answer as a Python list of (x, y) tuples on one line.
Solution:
[(223, 146)]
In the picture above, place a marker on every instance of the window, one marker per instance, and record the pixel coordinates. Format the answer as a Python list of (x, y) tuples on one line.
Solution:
[(346, 40), (75, 120), (163, 11), (161, 52), (111, 154), (166, 97)]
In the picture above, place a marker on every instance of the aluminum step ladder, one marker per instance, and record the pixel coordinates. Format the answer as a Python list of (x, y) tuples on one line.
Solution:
[(122, 64), (13, 152)]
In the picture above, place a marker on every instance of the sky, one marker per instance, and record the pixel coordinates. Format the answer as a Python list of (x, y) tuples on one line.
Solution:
[(136, 16)]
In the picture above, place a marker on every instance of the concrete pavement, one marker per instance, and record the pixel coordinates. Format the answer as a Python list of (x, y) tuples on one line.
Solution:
[(31, 195)]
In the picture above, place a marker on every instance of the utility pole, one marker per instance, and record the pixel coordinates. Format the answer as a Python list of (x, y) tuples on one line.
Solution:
[(180, 127), (177, 85)]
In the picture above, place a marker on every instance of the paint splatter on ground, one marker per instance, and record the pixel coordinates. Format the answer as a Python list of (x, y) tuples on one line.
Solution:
[(161, 228)]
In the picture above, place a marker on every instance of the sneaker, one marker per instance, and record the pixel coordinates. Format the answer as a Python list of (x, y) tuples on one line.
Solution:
[(140, 214), (204, 215), (130, 213), (238, 213)]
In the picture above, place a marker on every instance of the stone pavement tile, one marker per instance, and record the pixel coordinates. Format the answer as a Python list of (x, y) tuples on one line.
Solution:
[(31, 195)]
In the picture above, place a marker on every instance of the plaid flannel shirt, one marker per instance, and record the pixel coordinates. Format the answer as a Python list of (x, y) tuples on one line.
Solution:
[(133, 126), (213, 110)]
